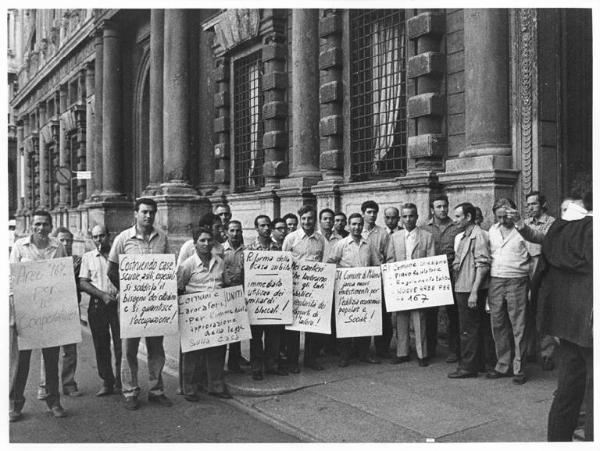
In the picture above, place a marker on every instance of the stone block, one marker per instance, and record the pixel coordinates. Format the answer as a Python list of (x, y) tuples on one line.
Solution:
[(331, 58), (456, 82), (275, 80), (275, 169), (274, 52), (428, 63), (221, 72), (429, 104), (221, 124), (331, 125), (222, 99), (221, 150), (455, 62), (329, 25), (276, 139), (221, 176), (456, 103), (456, 124), (455, 42), (426, 146), (332, 159), (331, 92), (274, 110), (455, 20), (428, 23)]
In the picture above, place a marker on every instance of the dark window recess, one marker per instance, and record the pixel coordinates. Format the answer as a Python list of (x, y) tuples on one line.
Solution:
[(248, 123), (378, 131)]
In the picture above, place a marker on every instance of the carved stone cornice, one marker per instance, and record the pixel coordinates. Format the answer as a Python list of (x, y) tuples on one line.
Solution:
[(232, 27)]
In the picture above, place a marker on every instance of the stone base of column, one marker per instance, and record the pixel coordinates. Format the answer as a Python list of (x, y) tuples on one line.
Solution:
[(177, 188), (479, 163), (153, 189), (295, 192), (115, 214), (327, 193)]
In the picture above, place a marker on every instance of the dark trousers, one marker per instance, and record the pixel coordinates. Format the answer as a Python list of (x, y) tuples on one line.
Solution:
[(18, 383), (474, 325), (331, 341), (104, 322), (575, 385), (360, 344), (313, 343), (431, 321), (264, 355), (235, 352), (204, 369), (382, 342)]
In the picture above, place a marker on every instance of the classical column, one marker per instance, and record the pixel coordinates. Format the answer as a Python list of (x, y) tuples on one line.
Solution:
[(63, 158), (90, 128), (305, 93), (111, 112), (20, 168), (157, 29), (98, 81), (487, 125), (44, 175), (176, 125)]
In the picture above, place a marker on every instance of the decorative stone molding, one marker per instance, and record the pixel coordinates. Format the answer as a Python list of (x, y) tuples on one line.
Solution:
[(233, 27), (221, 123)]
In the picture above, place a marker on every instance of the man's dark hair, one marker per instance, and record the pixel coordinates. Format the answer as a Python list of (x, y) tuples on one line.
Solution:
[(208, 220), (201, 230), (410, 206), (588, 201), (468, 208), (61, 229), (354, 215), (340, 213), (326, 210), (503, 202), (222, 206), (438, 197), (145, 201), (277, 220), (290, 215), (541, 199), (233, 221), (306, 208), (42, 213), (260, 217), (369, 204)]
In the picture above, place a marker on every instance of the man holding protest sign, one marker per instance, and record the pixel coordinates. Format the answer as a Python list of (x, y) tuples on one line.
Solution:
[(36, 247), (412, 243), (354, 252), (201, 272), (308, 244), (142, 238), (218, 228), (103, 310)]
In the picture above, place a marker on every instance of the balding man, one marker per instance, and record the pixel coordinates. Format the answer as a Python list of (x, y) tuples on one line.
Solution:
[(103, 310)]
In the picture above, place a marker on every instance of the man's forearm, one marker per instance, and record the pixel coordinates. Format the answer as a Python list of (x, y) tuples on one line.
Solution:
[(113, 274), (90, 289)]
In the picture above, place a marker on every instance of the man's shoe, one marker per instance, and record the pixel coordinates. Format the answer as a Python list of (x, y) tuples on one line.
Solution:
[(73, 393), (497, 375), (191, 398), (14, 415), (452, 358), (397, 360), (423, 362), (462, 374), (257, 375), (314, 365), (294, 369), (370, 360), (58, 412), (42, 394), (235, 369), (383, 354), (519, 379), (222, 394), (343, 363), (131, 403), (160, 399), (104, 391)]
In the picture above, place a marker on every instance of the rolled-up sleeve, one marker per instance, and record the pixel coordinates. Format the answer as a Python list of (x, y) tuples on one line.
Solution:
[(481, 252)]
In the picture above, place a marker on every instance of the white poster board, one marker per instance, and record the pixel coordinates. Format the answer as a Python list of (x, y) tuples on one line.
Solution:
[(418, 283), (268, 286), (358, 302), (148, 295), (213, 318), (45, 303), (313, 296)]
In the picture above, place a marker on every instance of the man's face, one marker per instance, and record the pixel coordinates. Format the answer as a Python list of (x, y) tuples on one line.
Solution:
[(263, 228), (41, 226), (100, 237), (204, 244), (478, 217), (440, 209), (234, 234), (307, 222), (339, 223), (534, 208), (279, 230), (370, 216), (502, 219), (224, 213), (66, 239), (218, 230), (145, 215), (356, 227), (460, 220), (292, 224), (409, 218), (326, 222), (391, 217)]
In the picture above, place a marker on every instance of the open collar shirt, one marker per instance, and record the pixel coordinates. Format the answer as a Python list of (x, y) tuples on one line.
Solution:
[(510, 257), (305, 247), (189, 248), (234, 264), (131, 242), (193, 276), (443, 237), (378, 238), (472, 251), (347, 253), (94, 266), (541, 224)]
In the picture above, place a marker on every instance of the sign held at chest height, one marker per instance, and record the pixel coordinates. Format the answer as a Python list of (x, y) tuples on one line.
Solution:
[(148, 297), (268, 286)]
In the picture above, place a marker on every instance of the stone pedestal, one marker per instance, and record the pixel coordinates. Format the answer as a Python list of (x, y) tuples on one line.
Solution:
[(328, 195), (295, 192), (115, 214)]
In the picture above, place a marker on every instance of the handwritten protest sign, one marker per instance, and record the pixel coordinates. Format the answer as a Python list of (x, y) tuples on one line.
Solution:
[(313, 296), (213, 318), (148, 296), (268, 286), (45, 303), (357, 302), (419, 283)]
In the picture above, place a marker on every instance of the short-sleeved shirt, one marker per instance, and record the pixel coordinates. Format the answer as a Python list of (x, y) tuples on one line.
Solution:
[(94, 267), (510, 257), (443, 237), (330, 244), (305, 247), (378, 238), (347, 253), (234, 264), (193, 276), (130, 242), (189, 248), (541, 224), (472, 251)]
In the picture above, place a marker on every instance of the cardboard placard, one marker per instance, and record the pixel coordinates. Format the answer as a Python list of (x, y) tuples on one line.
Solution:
[(358, 302), (313, 296), (418, 283), (148, 295), (213, 318), (45, 303), (268, 286)]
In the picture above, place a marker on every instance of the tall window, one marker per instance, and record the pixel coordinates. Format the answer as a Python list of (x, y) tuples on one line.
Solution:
[(377, 93), (247, 123)]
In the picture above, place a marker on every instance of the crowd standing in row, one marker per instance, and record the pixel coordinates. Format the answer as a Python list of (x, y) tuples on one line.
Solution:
[(490, 327)]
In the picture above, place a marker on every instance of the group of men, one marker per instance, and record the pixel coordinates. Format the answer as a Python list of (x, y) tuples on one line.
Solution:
[(490, 273)]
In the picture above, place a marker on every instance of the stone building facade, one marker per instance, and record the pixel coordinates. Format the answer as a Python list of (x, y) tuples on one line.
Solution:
[(265, 108)]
